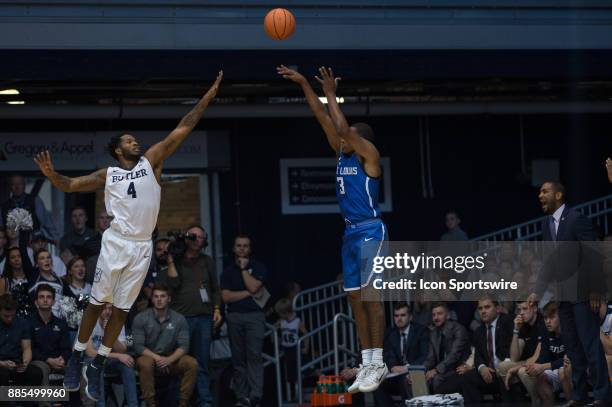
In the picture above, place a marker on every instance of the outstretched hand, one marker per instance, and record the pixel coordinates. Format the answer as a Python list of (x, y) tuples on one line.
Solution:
[(327, 80), (212, 91), (43, 160), (290, 74)]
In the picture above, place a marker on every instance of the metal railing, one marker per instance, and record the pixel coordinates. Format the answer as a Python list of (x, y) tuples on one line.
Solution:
[(597, 209), (274, 360)]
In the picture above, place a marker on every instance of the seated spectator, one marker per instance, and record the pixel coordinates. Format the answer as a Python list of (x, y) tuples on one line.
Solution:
[(74, 283), (407, 343), (51, 345), (291, 328), (38, 242), (118, 362), (161, 342), (41, 218), (491, 347), (525, 347), (14, 281), (449, 347), (74, 240), (454, 233), (549, 370), (44, 274), (16, 347)]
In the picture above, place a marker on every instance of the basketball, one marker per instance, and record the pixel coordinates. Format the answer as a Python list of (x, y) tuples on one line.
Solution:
[(279, 24)]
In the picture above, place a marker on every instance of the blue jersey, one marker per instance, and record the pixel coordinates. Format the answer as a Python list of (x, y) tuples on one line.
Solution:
[(357, 192)]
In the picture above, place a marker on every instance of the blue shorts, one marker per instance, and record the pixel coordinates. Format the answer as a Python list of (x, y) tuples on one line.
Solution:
[(360, 244)]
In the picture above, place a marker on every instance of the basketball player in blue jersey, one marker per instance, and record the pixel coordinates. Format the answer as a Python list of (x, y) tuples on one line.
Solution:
[(357, 185), (132, 195)]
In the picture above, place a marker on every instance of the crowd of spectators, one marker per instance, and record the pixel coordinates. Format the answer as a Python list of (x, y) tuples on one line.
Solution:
[(195, 335)]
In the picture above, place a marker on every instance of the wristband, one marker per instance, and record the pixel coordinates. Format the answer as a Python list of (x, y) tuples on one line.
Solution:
[(515, 332)]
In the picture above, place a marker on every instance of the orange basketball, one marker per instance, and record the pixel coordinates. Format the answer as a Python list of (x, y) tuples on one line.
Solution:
[(279, 24)]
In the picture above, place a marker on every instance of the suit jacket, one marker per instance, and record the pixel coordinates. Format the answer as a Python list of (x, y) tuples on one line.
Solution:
[(574, 265), (503, 339), (456, 346), (418, 346)]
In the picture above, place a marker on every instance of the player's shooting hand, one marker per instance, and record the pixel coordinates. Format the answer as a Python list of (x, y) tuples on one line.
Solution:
[(43, 160), (327, 80), (290, 74), (212, 91)]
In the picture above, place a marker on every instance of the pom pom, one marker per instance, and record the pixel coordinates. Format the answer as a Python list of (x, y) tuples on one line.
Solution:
[(19, 219)]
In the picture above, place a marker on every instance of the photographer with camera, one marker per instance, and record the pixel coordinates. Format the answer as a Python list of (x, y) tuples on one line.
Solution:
[(192, 279)]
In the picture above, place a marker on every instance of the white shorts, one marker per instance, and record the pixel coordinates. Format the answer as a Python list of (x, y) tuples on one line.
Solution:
[(122, 267), (553, 378)]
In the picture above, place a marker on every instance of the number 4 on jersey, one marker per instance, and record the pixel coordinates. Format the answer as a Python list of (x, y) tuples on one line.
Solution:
[(131, 190)]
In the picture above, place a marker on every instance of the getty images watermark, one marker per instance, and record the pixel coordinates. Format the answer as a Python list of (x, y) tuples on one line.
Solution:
[(467, 271), (411, 264)]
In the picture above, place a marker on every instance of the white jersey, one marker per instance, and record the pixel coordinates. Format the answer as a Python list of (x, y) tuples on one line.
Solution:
[(132, 197)]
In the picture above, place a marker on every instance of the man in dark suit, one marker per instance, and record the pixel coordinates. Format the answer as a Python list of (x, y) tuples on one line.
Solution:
[(449, 347), (579, 322), (405, 344), (492, 346)]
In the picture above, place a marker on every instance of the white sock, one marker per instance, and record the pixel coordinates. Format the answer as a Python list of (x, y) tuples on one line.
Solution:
[(377, 356), (104, 350), (78, 346), (366, 356)]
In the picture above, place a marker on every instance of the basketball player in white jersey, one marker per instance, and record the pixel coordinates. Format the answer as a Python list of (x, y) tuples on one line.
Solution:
[(131, 195)]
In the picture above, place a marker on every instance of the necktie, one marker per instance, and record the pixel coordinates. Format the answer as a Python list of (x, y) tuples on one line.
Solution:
[(553, 229), (404, 347), (490, 346)]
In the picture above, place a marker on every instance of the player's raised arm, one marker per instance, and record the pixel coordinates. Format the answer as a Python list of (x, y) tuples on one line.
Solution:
[(160, 151), (363, 147), (87, 183), (315, 104)]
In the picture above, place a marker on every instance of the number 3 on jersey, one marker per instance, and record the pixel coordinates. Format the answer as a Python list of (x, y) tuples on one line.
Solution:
[(131, 190), (341, 185)]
